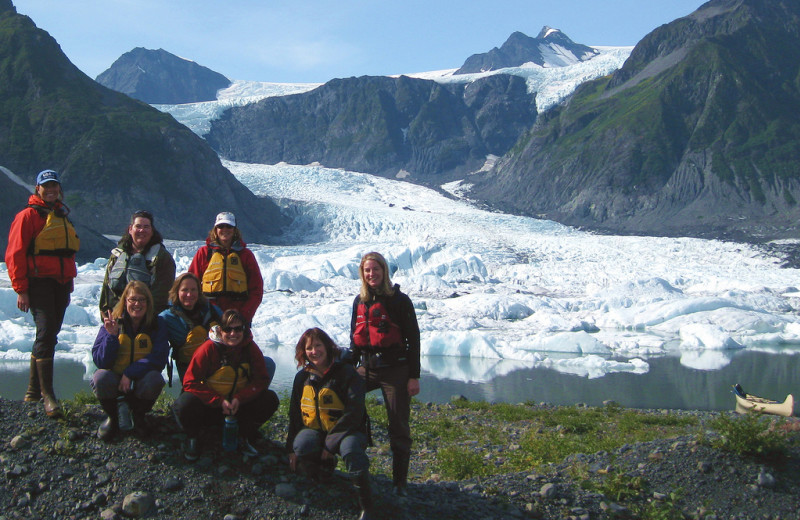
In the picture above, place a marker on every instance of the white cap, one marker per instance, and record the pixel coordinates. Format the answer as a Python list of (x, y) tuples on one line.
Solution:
[(226, 217)]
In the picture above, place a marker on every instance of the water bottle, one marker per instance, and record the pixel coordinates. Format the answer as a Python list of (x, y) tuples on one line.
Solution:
[(124, 414), (230, 433)]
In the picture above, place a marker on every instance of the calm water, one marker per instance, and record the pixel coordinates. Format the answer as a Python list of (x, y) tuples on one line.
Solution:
[(668, 384)]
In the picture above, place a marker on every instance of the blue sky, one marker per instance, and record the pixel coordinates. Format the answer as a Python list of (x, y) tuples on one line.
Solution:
[(295, 41)]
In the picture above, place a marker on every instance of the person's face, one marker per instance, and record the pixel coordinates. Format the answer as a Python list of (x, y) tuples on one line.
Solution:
[(225, 234), (373, 273), (141, 231), (233, 333), (315, 352), (188, 293), (49, 191), (136, 305)]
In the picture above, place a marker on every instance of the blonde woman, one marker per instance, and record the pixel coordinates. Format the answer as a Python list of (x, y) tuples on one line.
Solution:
[(130, 352), (384, 338)]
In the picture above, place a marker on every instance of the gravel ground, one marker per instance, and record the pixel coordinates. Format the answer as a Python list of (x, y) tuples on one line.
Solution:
[(58, 469)]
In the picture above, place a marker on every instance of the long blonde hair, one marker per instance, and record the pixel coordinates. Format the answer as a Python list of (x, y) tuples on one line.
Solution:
[(386, 288), (140, 288)]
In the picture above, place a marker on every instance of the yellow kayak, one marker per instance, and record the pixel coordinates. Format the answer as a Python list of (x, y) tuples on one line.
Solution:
[(746, 402)]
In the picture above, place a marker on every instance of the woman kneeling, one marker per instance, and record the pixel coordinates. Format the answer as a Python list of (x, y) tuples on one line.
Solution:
[(327, 415), (226, 378), (130, 352)]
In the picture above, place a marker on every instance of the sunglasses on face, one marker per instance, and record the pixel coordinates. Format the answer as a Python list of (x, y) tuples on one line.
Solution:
[(238, 328)]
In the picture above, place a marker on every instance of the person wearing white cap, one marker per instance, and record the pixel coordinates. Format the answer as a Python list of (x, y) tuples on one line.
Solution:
[(228, 270), (41, 264)]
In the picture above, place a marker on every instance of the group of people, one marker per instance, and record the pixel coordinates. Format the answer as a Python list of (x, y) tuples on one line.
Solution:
[(200, 323)]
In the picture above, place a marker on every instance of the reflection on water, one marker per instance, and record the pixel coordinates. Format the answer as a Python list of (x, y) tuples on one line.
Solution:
[(667, 384)]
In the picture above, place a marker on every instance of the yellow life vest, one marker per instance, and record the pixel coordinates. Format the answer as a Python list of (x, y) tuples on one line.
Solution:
[(57, 237), (227, 381), (225, 276), (131, 351), (320, 411), (196, 337)]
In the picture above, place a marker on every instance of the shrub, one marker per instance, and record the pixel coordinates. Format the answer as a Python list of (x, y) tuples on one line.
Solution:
[(751, 434)]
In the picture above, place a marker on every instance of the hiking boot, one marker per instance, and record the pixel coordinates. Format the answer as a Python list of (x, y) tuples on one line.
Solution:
[(191, 450)]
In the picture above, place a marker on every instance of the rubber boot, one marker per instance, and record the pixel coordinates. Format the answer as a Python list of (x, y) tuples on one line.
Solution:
[(361, 483), (308, 468), (400, 473), (139, 409), (34, 393), (110, 427), (44, 368)]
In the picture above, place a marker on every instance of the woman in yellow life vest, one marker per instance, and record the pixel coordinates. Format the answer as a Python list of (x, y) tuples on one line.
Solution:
[(189, 319), (130, 352), (228, 270), (41, 264), (227, 376), (327, 416)]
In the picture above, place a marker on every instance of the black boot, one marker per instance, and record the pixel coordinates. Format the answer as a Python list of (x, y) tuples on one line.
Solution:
[(110, 427), (308, 468), (139, 409), (400, 473), (34, 393), (44, 369), (361, 483)]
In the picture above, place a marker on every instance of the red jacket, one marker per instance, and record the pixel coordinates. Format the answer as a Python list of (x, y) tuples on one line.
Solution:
[(255, 284), (21, 265), (207, 360)]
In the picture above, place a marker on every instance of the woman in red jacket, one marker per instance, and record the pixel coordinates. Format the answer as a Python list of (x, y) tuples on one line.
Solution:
[(226, 377), (41, 264), (229, 272)]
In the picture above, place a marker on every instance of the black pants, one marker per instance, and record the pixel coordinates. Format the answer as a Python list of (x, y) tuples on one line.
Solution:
[(194, 415), (393, 382), (48, 300)]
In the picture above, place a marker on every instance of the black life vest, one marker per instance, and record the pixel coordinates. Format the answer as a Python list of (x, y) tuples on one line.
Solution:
[(128, 268), (374, 328)]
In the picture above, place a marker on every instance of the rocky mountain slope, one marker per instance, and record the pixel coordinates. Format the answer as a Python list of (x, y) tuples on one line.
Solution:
[(158, 77), (116, 154), (696, 134), (412, 128), (551, 48)]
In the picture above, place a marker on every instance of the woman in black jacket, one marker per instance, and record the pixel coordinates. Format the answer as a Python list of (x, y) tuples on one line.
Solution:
[(327, 415), (384, 337)]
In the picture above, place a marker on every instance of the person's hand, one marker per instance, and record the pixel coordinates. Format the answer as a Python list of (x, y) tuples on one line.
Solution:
[(326, 455), (230, 407), (23, 302), (413, 387), (293, 462), (125, 384), (110, 324)]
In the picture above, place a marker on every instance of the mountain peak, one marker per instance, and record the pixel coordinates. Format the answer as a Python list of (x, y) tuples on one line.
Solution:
[(159, 77), (552, 48)]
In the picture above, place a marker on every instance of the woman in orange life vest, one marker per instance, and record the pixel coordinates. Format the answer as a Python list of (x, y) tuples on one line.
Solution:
[(41, 264), (189, 319), (327, 416), (226, 377), (384, 338), (140, 255), (228, 269), (130, 352)]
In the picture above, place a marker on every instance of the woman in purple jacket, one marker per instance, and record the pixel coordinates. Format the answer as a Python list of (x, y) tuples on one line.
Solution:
[(130, 352)]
